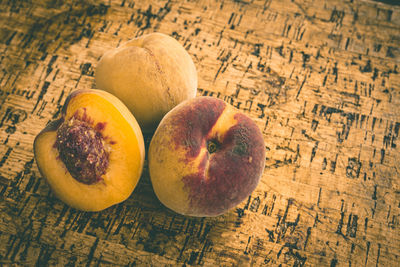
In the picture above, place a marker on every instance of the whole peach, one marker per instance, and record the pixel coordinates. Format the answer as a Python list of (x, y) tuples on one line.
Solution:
[(150, 74), (205, 157)]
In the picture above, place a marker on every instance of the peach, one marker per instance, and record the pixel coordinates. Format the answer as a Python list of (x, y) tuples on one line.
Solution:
[(92, 156), (150, 74), (205, 157)]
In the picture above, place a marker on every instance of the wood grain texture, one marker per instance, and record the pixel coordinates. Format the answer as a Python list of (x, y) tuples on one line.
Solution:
[(320, 78)]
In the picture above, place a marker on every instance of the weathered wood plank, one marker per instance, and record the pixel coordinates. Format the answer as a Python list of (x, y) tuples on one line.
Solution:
[(320, 78)]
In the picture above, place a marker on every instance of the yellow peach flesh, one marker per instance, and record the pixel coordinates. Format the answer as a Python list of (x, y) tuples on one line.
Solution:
[(124, 141)]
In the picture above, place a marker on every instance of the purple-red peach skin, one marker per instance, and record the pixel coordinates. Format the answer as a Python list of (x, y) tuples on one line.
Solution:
[(205, 157)]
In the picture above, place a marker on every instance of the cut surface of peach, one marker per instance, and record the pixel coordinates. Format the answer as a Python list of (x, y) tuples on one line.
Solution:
[(122, 142)]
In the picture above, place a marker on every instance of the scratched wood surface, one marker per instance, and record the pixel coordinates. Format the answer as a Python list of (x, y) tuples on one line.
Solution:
[(320, 78)]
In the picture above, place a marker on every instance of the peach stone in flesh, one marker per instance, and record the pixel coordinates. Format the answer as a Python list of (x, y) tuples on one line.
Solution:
[(92, 156), (82, 150), (205, 157)]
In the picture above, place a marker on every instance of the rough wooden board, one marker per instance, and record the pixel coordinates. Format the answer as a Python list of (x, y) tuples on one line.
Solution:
[(321, 79)]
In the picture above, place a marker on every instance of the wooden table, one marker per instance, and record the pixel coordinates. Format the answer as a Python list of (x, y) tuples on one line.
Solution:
[(320, 78)]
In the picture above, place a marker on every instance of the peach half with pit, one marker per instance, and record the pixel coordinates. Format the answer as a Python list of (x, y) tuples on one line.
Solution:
[(205, 157), (151, 74), (92, 156)]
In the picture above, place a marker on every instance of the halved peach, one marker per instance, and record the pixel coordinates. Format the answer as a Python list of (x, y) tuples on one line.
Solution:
[(92, 157)]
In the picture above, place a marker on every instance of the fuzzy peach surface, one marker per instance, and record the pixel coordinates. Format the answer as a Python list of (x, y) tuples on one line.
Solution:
[(205, 157), (125, 144), (150, 74)]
